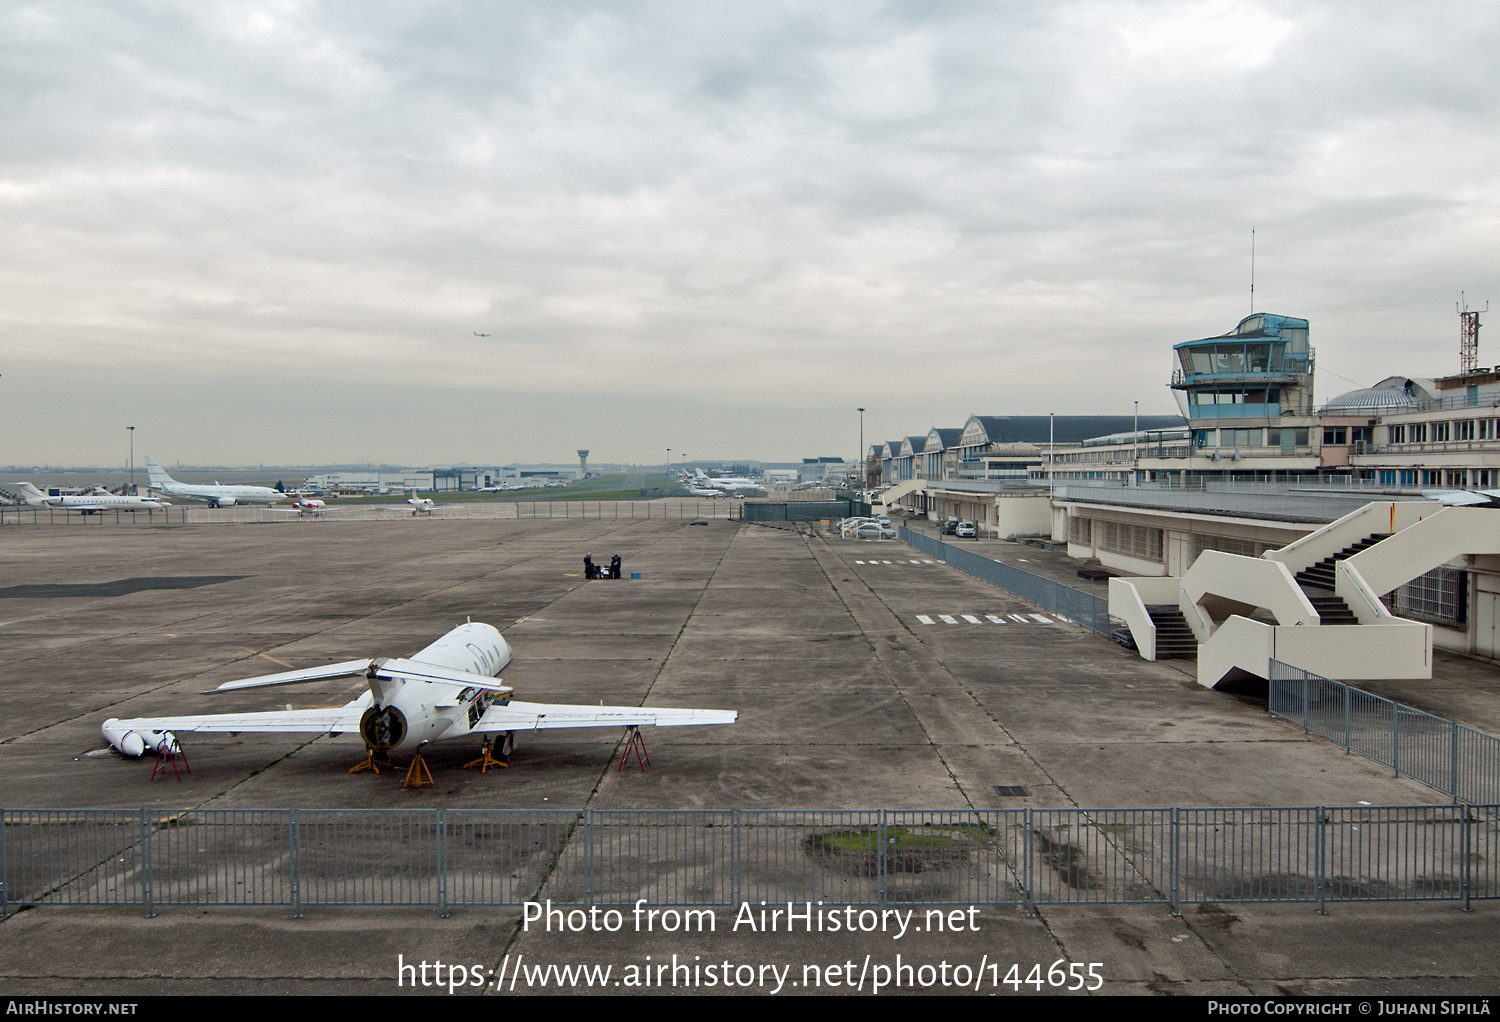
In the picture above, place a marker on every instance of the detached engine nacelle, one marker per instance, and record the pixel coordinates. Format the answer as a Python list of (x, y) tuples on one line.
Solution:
[(130, 742)]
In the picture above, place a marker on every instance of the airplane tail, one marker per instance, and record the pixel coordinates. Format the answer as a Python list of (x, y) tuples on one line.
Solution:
[(158, 475), (30, 494)]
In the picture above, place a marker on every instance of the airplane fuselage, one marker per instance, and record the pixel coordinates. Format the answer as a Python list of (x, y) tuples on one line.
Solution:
[(411, 712)]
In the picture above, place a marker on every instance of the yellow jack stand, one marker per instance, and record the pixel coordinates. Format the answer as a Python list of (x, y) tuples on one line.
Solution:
[(486, 760), (370, 763), (416, 772)]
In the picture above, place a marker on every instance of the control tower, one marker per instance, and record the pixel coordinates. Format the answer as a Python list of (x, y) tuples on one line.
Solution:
[(583, 464)]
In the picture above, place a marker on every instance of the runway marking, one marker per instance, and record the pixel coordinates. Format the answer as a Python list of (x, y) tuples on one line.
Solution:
[(970, 618), (948, 619), (996, 618), (925, 619)]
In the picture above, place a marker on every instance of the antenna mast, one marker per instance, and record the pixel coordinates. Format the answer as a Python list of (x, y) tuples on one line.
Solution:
[(1252, 269), (1468, 335)]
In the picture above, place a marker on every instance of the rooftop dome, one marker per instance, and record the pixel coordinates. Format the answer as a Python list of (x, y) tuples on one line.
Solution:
[(1371, 399)]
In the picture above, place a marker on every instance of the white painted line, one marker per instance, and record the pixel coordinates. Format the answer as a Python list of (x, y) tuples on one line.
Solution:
[(916, 562), (971, 619), (1062, 619), (925, 619), (996, 618), (927, 562), (859, 562), (1042, 618), (948, 619), (1018, 618), (885, 562)]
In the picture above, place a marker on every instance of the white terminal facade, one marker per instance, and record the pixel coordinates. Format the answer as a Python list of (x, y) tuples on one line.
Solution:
[(1253, 465)]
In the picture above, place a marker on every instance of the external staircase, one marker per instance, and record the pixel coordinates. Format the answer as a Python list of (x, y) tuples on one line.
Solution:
[(1316, 603)]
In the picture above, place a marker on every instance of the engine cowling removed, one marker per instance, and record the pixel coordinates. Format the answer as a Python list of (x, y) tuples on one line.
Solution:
[(382, 727)]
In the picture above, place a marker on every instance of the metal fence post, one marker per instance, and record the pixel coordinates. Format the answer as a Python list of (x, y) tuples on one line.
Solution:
[(1453, 762), (1304, 702), (4, 894), (588, 856), (1026, 863), (1320, 877), (146, 873), (1463, 856), (295, 864), (442, 860), (734, 856), (1347, 737), (1172, 863), (880, 862), (1396, 738)]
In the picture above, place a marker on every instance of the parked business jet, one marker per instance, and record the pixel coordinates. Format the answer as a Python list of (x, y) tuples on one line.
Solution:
[(89, 503), (216, 495), (450, 689), (421, 505), (309, 506)]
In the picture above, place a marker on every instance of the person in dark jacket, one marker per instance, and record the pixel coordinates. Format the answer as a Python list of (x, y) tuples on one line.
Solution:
[(590, 569), (614, 566)]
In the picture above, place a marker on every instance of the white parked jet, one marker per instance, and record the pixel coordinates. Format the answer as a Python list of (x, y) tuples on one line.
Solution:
[(450, 689), (422, 505), (216, 495), (90, 503)]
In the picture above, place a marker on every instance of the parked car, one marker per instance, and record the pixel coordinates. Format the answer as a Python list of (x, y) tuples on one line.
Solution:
[(950, 527), (869, 530), (966, 530)]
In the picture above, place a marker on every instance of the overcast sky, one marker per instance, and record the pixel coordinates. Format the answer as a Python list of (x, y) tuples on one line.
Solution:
[(269, 233)]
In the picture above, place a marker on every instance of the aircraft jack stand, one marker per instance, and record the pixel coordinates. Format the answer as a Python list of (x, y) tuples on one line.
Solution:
[(163, 757), (485, 760), (415, 774), (638, 744), (370, 763)]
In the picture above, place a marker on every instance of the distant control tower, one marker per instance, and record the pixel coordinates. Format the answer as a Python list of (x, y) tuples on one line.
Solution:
[(583, 464)]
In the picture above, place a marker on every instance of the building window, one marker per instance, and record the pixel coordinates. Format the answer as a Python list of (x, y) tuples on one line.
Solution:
[(1135, 540), (1418, 432), (1398, 434), (1432, 477), (1360, 434), (1439, 597), (1239, 437), (1226, 544), (1080, 532), (1463, 430), (1335, 436), (1440, 432)]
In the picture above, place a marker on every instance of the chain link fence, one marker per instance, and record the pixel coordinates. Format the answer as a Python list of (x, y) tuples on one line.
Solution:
[(483, 510), (723, 858), (1077, 606), (1450, 757)]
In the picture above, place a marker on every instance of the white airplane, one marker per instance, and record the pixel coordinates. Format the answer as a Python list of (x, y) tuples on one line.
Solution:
[(216, 495), (733, 485), (450, 689), (309, 506), (89, 503), (423, 505), (699, 491)]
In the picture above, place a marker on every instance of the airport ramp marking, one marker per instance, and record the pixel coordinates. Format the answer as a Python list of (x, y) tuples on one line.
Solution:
[(1018, 618), (925, 619), (1042, 619), (948, 619), (996, 618), (970, 618)]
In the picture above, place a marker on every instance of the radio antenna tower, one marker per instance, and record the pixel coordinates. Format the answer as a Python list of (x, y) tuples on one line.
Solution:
[(1252, 270), (1468, 335)]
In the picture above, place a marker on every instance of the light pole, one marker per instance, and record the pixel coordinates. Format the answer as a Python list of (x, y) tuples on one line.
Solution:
[(669, 464), (864, 470), (1135, 446), (132, 458), (1051, 448)]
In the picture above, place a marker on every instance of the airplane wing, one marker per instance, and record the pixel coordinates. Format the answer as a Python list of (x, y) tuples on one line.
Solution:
[(518, 716), (346, 669), (385, 667), (334, 719)]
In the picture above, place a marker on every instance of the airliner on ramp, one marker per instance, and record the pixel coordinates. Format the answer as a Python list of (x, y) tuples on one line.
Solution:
[(216, 495)]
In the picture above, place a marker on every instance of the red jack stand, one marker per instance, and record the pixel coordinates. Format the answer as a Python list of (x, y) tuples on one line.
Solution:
[(637, 743), (165, 755)]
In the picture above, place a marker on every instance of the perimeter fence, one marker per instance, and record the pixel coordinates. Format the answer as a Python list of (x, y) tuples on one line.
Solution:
[(1445, 754), (1077, 606), (674, 510), (445, 858)]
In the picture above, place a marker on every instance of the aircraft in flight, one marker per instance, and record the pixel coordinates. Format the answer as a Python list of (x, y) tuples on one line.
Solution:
[(478, 334), (216, 495), (89, 503), (450, 689)]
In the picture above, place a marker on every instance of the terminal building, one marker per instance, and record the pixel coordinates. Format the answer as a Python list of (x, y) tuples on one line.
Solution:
[(1252, 466)]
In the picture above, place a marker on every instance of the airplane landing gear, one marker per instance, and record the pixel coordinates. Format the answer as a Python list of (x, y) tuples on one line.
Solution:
[(486, 760), (372, 762)]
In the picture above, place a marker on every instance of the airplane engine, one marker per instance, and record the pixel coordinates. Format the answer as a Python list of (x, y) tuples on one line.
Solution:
[(383, 727), (225, 501), (130, 742)]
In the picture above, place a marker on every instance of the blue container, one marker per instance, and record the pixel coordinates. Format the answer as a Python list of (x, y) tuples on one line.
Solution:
[(635, 574)]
